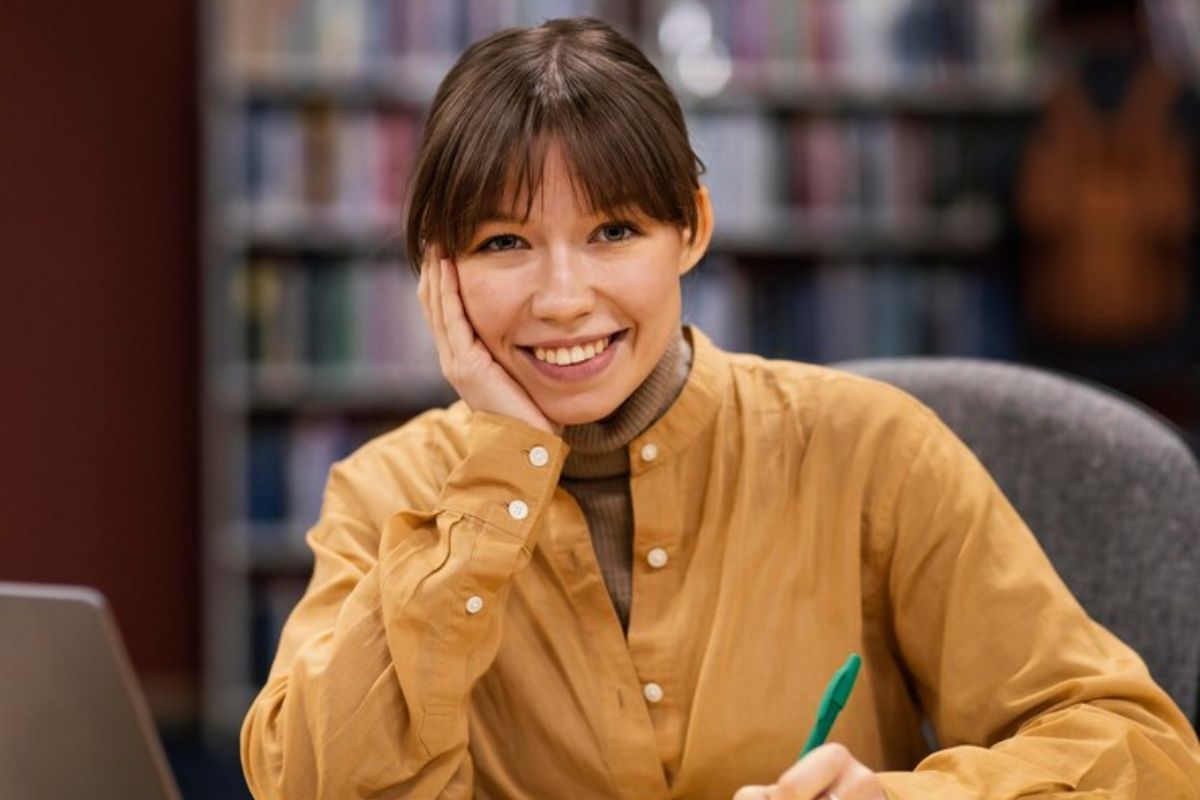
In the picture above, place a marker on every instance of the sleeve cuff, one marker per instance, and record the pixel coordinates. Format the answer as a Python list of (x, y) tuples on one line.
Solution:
[(509, 475)]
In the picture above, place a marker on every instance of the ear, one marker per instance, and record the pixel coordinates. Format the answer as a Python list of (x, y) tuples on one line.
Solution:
[(693, 251)]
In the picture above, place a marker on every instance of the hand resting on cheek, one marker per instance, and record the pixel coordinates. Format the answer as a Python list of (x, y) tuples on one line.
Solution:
[(480, 381)]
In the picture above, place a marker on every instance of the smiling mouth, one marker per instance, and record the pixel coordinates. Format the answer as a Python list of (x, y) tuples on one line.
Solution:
[(578, 354)]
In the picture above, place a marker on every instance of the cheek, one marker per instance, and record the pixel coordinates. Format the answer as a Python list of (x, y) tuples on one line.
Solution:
[(651, 291)]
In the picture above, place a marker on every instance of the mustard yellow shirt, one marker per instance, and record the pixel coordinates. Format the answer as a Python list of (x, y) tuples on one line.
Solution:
[(457, 639)]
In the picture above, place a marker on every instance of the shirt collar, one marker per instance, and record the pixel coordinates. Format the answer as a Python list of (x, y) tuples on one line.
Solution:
[(693, 410)]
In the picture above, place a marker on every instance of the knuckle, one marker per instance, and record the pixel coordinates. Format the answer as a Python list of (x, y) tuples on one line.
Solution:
[(838, 751)]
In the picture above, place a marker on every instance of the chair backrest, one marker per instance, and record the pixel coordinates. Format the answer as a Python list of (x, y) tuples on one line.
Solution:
[(1111, 492)]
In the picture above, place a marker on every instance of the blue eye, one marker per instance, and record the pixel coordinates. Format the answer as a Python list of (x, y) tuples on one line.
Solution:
[(616, 232)]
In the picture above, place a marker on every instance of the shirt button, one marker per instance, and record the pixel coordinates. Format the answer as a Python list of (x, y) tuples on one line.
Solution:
[(652, 692), (475, 604), (539, 456), (649, 452), (657, 558), (518, 510)]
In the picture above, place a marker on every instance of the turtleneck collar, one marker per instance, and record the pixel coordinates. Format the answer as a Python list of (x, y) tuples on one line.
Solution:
[(600, 449)]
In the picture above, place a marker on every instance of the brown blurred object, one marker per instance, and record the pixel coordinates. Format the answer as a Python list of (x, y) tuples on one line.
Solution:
[(1107, 202), (1107, 206), (98, 318)]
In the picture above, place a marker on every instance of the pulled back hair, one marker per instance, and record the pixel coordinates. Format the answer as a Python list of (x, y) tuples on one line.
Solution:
[(576, 83)]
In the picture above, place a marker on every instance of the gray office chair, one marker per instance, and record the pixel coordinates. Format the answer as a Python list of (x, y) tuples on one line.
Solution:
[(1111, 492)]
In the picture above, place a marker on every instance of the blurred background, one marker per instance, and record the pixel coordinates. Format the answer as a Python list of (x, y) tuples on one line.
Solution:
[(204, 302)]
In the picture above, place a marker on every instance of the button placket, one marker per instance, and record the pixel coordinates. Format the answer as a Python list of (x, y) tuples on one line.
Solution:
[(657, 525)]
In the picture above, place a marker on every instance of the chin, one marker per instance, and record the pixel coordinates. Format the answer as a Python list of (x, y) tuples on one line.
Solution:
[(580, 410)]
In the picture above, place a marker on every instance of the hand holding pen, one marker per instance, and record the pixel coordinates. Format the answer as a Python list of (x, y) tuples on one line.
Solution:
[(824, 771)]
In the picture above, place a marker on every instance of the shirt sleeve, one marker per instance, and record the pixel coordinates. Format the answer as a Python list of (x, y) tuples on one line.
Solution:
[(369, 690), (1028, 695)]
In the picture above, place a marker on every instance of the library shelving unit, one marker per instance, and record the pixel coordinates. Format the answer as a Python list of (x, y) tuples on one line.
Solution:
[(850, 147), (313, 338), (856, 152)]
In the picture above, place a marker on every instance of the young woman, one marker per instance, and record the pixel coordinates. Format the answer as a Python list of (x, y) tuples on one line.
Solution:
[(626, 564)]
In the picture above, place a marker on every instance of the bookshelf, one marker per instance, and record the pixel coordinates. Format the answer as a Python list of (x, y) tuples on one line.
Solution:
[(314, 341), (850, 146)]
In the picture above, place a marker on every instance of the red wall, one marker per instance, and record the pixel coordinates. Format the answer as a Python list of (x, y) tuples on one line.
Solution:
[(99, 311)]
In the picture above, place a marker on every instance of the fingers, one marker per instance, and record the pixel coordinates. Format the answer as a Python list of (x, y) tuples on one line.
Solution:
[(754, 793), (830, 769), (443, 308), (816, 772), (431, 303), (459, 332), (426, 283)]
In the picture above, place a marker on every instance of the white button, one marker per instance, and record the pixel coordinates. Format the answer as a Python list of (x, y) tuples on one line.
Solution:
[(657, 558), (518, 510), (539, 456), (475, 604), (652, 692), (649, 452)]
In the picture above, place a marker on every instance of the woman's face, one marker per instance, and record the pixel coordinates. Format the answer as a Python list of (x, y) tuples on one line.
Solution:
[(577, 307)]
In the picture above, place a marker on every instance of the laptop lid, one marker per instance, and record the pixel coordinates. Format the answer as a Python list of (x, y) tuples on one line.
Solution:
[(73, 721)]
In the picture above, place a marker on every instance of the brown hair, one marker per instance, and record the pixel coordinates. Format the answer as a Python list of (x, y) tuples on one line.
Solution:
[(574, 82)]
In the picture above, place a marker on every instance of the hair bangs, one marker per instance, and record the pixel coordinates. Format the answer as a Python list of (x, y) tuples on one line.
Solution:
[(574, 84), (618, 162)]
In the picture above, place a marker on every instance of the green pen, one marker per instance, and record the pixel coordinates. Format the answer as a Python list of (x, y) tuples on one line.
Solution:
[(832, 702)]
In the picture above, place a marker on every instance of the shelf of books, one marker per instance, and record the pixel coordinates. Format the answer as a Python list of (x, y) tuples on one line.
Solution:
[(314, 341), (851, 147)]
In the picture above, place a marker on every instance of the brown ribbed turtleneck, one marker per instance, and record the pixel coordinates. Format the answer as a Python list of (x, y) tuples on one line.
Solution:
[(596, 472)]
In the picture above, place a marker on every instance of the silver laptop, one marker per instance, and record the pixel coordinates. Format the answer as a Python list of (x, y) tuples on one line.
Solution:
[(73, 721)]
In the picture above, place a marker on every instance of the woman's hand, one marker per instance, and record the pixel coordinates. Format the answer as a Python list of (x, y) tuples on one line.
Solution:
[(827, 772), (482, 383)]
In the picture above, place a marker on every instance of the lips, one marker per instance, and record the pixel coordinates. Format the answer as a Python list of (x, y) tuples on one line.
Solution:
[(575, 360)]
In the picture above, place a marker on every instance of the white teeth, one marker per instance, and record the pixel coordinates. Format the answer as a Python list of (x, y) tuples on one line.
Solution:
[(577, 354)]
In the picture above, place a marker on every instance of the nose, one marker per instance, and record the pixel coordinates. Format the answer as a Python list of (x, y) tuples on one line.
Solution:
[(564, 292)]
